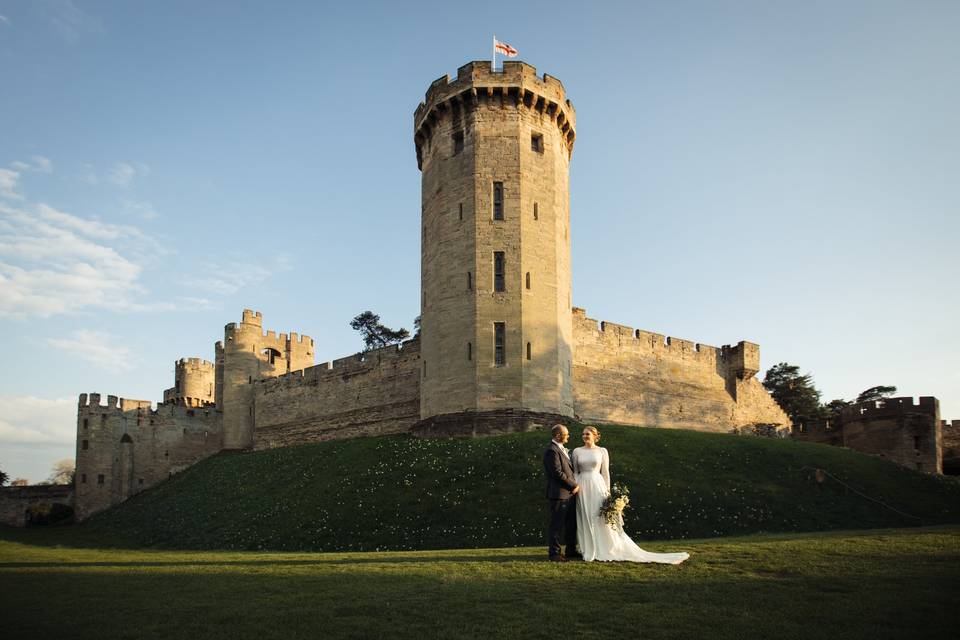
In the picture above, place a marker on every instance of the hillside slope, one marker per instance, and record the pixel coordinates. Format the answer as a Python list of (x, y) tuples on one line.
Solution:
[(399, 492)]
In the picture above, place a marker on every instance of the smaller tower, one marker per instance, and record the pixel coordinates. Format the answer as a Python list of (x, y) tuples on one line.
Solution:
[(248, 354), (193, 383)]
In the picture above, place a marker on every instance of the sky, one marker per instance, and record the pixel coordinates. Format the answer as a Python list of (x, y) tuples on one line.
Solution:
[(779, 172)]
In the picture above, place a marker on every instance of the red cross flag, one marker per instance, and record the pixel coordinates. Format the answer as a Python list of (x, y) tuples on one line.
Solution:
[(504, 48)]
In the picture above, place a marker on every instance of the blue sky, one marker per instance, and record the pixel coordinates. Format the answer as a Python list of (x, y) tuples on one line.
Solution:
[(780, 172)]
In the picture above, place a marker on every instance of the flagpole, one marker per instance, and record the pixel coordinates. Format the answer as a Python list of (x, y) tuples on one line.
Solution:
[(493, 60)]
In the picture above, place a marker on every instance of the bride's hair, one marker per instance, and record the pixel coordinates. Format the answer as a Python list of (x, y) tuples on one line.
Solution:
[(595, 432)]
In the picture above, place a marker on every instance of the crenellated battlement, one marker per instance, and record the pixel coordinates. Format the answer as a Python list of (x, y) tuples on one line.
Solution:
[(357, 363), (626, 336), (194, 363), (89, 404), (516, 85), (890, 407)]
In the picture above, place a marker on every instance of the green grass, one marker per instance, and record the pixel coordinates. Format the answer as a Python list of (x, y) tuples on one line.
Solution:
[(404, 493), (867, 584)]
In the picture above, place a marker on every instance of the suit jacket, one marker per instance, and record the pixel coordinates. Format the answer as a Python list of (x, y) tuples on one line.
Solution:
[(559, 471)]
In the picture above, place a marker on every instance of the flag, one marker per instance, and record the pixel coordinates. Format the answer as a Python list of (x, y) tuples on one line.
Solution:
[(504, 48)]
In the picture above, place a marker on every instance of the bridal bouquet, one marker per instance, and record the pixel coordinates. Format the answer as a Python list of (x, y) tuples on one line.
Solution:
[(614, 504)]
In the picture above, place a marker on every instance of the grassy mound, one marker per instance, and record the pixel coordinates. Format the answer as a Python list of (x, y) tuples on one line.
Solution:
[(403, 493)]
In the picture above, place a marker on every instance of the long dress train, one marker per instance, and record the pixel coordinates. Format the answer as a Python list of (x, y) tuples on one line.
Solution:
[(597, 539)]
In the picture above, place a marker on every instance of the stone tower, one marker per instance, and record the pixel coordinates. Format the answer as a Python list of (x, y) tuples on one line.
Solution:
[(248, 354), (494, 150)]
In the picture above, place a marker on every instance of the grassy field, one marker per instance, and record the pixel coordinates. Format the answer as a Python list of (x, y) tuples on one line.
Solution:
[(403, 493), (867, 584)]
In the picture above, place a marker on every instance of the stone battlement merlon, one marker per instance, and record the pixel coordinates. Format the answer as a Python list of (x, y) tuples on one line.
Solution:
[(90, 404), (890, 407), (195, 363), (517, 82), (359, 362)]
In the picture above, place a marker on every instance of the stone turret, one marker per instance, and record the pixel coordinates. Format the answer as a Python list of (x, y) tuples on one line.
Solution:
[(494, 149), (248, 354)]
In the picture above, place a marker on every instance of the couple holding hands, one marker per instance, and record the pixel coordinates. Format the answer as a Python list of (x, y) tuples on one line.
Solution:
[(578, 482)]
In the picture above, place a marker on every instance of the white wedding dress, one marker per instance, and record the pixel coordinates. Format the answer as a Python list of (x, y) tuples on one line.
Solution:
[(597, 539)]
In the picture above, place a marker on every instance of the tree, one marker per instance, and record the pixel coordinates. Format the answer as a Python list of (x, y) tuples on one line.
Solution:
[(876, 393), (416, 327), (62, 472), (794, 392), (834, 407), (3, 477), (375, 335), (20, 482)]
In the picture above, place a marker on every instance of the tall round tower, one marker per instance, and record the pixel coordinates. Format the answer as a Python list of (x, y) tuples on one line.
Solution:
[(494, 150)]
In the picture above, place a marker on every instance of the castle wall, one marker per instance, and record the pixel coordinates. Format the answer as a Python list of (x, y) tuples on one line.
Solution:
[(15, 502), (373, 393), (628, 376), (125, 447), (950, 446), (897, 429)]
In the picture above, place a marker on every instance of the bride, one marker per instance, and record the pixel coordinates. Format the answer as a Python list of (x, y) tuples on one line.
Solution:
[(597, 539)]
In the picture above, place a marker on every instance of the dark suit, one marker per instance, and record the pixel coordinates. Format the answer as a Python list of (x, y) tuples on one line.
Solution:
[(563, 512)]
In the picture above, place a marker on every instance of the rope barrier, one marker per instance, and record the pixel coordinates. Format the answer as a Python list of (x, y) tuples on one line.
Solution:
[(860, 493)]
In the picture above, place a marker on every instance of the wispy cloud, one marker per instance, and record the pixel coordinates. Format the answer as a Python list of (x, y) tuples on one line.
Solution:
[(122, 174), (96, 347), (39, 421), (42, 164), (53, 262), (9, 180), (141, 209), (4, 19), (231, 276), (71, 22)]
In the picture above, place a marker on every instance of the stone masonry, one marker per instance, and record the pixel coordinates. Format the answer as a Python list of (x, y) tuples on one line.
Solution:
[(501, 349)]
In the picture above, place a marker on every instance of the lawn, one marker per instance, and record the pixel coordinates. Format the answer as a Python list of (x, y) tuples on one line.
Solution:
[(881, 583)]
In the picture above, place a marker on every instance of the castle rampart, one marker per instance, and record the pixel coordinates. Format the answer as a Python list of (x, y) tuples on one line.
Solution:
[(950, 446), (372, 393), (127, 446), (626, 375)]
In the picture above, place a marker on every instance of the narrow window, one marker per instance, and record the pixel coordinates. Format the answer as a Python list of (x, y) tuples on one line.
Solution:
[(86, 423), (499, 282), (461, 212), (536, 210), (100, 478), (251, 410), (457, 142), (528, 279), (86, 445), (916, 442), (528, 351), (499, 336), (469, 351), (536, 143), (469, 281), (83, 478), (424, 368), (140, 482), (498, 201)]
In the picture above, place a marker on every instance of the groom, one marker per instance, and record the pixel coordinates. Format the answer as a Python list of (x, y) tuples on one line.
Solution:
[(561, 487)]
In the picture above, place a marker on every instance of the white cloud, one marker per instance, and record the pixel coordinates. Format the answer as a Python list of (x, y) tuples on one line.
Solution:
[(229, 277), (141, 209), (98, 348), (42, 164), (39, 421), (20, 166), (122, 174), (70, 21), (53, 262), (8, 184), (4, 19)]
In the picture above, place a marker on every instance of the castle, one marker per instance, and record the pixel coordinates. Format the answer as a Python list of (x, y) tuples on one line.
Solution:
[(501, 348)]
